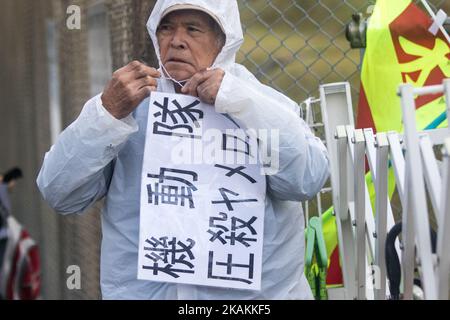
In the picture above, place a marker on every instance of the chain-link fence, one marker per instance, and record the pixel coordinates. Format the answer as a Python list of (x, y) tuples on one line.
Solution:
[(296, 45)]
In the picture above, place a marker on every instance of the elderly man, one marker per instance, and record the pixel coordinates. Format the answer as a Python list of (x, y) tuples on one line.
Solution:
[(101, 153)]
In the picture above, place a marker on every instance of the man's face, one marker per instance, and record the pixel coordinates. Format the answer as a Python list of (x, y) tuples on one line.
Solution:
[(187, 42)]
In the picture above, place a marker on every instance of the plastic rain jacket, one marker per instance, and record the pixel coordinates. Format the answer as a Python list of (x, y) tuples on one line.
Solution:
[(99, 156)]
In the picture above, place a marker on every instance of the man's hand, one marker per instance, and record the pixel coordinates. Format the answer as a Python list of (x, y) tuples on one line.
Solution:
[(128, 87), (205, 85)]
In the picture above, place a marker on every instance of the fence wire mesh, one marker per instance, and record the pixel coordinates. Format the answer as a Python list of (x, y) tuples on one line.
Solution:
[(296, 45)]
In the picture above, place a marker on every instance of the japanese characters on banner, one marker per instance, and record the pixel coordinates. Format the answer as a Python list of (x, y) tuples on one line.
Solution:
[(202, 197)]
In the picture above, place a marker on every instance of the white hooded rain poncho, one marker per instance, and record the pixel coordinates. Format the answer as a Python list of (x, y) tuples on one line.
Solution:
[(99, 156)]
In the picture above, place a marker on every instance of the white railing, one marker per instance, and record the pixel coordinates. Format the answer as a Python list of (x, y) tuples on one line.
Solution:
[(361, 233)]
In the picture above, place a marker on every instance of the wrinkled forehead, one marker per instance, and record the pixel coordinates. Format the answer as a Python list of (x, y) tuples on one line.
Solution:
[(191, 16)]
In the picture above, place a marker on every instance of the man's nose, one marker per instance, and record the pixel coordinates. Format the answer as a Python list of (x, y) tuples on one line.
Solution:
[(179, 39)]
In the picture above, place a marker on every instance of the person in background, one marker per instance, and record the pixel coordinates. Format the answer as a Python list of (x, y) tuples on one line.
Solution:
[(19, 254), (7, 183)]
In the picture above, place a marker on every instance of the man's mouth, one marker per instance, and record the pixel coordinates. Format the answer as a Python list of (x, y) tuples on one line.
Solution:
[(176, 60)]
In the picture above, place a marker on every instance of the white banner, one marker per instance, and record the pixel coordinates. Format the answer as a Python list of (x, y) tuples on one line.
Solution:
[(202, 197)]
